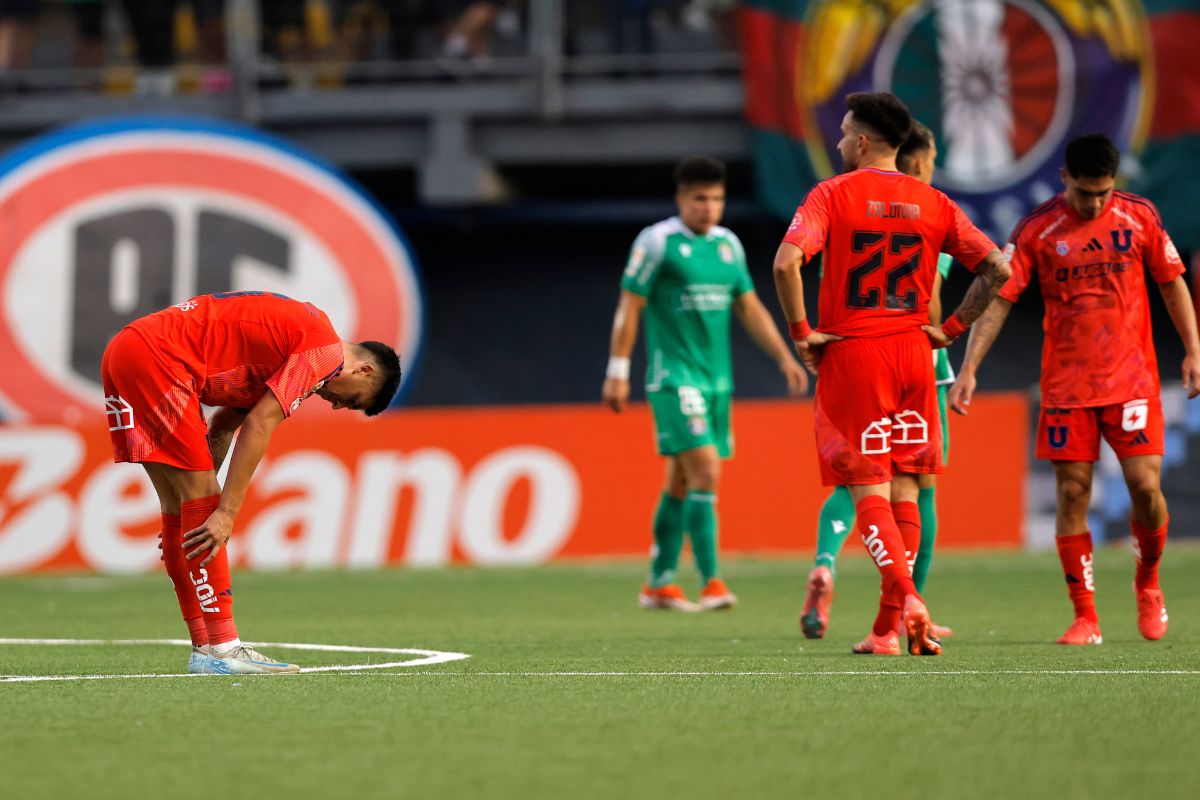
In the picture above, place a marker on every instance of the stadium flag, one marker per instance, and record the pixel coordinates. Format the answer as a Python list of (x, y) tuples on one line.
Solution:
[(1004, 84)]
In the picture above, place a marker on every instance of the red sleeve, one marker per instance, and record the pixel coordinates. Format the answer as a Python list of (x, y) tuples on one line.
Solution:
[(1022, 262), (1161, 258), (810, 225), (964, 241), (303, 373)]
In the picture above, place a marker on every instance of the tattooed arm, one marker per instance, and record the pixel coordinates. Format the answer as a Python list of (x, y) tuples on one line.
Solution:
[(990, 275)]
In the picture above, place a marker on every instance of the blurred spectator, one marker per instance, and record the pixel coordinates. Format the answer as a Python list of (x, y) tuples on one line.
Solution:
[(474, 25), (17, 18)]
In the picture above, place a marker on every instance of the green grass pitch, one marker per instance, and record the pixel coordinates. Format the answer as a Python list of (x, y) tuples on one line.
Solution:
[(571, 691)]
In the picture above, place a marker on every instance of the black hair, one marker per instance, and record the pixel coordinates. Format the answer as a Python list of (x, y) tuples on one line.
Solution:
[(1092, 156), (388, 363), (920, 140), (883, 113), (699, 170)]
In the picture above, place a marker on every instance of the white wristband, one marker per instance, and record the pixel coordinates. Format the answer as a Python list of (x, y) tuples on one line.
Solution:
[(618, 368)]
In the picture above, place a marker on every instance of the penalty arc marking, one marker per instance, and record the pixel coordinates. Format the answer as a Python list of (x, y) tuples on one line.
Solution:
[(423, 658)]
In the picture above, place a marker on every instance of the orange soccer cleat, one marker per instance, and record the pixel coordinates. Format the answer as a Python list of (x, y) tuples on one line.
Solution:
[(814, 616), (669, 597), (716, 595), (1152, 614), (886, 645), (915, 619), (940, 631), (1082, 631)]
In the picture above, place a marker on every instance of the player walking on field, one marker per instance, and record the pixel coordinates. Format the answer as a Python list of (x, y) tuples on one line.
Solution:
[(916, 157), (1091, 248), (257, 355), (684, 275), (876, 404)]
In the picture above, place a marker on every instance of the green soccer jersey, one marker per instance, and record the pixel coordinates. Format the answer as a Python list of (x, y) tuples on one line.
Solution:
[(689, 282), (943, 373)]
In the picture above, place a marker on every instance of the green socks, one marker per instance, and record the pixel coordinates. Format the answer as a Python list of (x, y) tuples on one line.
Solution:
[(835, 523), (927, 502), (700, 522), (668, 540)]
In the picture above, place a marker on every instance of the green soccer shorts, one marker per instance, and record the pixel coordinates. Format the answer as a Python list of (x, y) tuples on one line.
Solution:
[(686, 418)]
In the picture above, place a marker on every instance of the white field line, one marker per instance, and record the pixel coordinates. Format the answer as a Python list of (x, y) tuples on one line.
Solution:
[(814, 673), (425, 657)]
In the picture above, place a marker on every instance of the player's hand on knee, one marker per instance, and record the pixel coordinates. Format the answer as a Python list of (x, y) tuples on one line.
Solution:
[(960, 394), (615, 393), (208, 538), (937, 336)]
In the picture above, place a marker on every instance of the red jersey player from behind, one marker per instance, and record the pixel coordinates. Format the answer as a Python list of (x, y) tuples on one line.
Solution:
[(876, 413), (1092, 248), (257, 356)]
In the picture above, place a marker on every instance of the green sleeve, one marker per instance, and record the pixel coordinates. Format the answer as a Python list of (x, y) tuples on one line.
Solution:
[(945, 261), (645, 258), (744, 282)]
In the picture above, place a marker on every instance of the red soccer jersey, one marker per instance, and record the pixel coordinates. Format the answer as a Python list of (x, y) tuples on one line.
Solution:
[(237, 345), (881, 232), (1098, 349)]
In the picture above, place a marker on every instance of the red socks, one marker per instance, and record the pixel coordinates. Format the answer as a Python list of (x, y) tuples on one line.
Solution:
[(908, 520), (885, 545), (1075, 553), (1148, 545), (172, 546), (210, 585)]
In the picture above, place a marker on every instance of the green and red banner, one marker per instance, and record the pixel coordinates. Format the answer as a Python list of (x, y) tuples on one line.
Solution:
[(1004, 84)]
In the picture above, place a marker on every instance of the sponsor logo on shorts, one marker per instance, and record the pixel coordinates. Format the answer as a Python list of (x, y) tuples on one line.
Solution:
[(1134, 415), (120, 413), (908, 427), (697, 426), (1140, 438)]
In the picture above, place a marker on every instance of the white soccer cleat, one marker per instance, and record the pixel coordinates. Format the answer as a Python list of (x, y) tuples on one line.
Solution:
[(200, 659), (243, 660)]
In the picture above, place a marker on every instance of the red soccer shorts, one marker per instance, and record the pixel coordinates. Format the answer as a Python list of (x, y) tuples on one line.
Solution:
[(153, 410), (876, 411), (1134, 428)]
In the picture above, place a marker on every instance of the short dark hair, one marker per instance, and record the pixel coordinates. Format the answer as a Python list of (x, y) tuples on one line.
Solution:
[(920, 140), (1092, 156), (388, 363), (883, 113), (699, 170)]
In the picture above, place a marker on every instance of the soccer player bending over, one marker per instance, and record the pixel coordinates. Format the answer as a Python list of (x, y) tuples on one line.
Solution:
[(916, 157), (685, 274), (1091, 248), (876, 403), (257, 355)]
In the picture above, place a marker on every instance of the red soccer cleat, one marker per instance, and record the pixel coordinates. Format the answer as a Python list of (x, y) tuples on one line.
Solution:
[(814, 616), (915, 619), (716, 596), (1082, 631), (669, 597), (887, 645), (1152, 614)]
